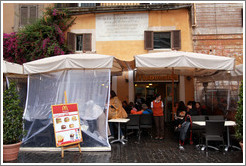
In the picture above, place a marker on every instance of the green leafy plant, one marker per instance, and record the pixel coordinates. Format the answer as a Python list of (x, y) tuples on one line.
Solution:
[(12, 116), (43, 38), (239, 116)]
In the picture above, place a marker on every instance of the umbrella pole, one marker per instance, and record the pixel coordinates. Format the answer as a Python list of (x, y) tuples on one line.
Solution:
[(172, 90)]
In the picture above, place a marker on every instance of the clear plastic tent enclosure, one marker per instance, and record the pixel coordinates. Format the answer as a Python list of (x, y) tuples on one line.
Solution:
[(88, 88), (86, 80)]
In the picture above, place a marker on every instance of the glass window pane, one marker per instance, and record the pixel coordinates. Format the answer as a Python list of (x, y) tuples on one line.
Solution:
[(162, 40), (79, 43)]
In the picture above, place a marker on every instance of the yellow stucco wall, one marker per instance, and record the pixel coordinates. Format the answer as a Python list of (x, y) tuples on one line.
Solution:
[(178, 18), (8, 17), (125, 50), (87, 21)]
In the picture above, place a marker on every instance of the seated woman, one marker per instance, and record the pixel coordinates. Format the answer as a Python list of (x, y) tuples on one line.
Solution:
[(126, 107), (144, 110), (134, 111), (184, 125), (181, 111), (199, 109), (115, 111)]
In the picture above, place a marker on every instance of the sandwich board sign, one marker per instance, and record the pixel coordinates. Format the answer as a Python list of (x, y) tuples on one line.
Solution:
[(66, 123)]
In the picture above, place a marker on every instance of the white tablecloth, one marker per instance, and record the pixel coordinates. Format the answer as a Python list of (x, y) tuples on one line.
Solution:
[(227, 123)]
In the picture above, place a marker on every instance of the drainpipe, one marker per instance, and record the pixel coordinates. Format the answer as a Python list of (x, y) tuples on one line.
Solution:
[(194, 15)]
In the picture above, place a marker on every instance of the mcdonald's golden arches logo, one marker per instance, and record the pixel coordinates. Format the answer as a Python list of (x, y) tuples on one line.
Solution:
[(65, 108)]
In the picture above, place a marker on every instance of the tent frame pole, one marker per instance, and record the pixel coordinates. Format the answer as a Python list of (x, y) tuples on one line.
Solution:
[(172, 90)]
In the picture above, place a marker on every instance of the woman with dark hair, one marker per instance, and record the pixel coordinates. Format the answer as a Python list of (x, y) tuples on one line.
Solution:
[(199, 109), (181, 109), (126, 107), (157, 108)]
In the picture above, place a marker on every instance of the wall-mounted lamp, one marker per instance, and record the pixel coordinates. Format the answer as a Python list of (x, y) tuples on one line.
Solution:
[(188, 78)]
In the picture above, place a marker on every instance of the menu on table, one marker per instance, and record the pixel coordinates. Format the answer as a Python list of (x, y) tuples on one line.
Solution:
[(66, 123)]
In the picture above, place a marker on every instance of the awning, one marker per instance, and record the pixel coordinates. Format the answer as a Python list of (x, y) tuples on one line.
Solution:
[(235, 75), (12, 68), (238, 71), (184, 63), (72, 61)]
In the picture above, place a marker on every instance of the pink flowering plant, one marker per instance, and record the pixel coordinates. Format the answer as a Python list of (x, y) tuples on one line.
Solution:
[(44, 38)]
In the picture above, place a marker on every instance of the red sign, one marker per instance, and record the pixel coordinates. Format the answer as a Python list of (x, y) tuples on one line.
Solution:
[(66, 123)]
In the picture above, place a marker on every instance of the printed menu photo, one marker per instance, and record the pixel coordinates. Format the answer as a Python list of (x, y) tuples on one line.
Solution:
[(66, 124)]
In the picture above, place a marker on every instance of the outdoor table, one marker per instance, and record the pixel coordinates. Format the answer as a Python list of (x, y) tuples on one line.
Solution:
[(227, 125), (119, 121)]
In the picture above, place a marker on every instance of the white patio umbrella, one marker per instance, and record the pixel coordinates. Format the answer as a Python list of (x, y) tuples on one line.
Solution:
[(235, 75), (12, 68), (181, 63), (72, 61)]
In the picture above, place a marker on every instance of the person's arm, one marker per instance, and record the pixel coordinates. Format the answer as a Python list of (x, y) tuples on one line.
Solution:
[(139, 113), (150, 111), (180, 122), (116, 103)]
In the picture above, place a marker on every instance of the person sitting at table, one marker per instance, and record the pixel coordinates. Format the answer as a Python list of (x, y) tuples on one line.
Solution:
[(193, 110), (115, 111), (184, 126), (132, 106), (144, 110), (181, 111), (126, 107), (199, 109)]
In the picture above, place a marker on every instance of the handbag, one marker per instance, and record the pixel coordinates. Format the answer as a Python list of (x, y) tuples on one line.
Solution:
[(113, 113)]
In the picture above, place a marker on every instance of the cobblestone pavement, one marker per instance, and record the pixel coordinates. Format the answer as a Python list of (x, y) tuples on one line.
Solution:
[(146, 151)]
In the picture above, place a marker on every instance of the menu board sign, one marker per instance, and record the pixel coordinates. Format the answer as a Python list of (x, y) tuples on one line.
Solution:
[(66, 124)]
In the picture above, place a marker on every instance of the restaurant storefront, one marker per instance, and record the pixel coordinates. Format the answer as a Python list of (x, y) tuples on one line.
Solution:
[(147, 86)]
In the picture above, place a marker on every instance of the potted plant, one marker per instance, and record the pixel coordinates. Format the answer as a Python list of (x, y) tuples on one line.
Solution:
[(239, 118), (12, 123)]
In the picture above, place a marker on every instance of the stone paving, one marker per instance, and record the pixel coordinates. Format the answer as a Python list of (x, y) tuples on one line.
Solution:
[(146, 151)]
